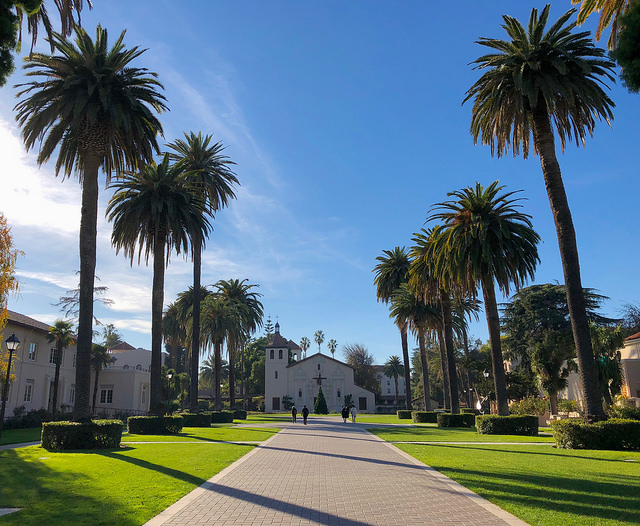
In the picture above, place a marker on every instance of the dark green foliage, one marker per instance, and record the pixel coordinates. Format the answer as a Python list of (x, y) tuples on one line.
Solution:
[(615, 434), (222, 417), (529, 406), (404, 414), (320, 407), (239, 414), (21, 419), (460, 420), (196, 419), (8, 40), (154, 425), (470, 411), (627, 52), (526, 425), (424, 417), (357, 356), (626, 412), (287, 402), (98, 434)]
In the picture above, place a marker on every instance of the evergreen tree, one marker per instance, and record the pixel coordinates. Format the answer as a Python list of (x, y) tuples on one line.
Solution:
[(320, 407), (268, 328)]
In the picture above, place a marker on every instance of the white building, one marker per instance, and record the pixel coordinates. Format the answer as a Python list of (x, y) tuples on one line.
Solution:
[(288, 374), (388, 387)]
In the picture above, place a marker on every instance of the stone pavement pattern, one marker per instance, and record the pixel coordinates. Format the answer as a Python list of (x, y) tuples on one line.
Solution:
[(330, 473)]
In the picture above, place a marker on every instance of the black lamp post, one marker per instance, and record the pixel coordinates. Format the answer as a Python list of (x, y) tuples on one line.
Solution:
[(12, 345)]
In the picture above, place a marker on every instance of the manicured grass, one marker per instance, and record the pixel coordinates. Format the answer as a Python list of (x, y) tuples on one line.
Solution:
[(125, 487), (433, 433), (544, 486), (214, 433), (382, 419), (265, 418), (17, 436)]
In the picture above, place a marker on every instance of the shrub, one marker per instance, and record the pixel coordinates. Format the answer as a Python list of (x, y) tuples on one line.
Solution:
[(21, 419), (626, 412), (507, 425), (404, 414), (567, 406), (615, 434), (470, 411), (222, 417), (203, 405), (154, 425), (98, 434), (424, 417), (450, 420), (529, 406), (239, 414), (196, 419)]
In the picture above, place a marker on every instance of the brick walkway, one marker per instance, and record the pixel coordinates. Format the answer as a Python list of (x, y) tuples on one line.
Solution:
[(330, 473)]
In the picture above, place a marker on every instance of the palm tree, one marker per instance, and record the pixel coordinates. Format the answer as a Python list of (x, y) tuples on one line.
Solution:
[(610, 12), (100, 358), (533, 80), (95, 110), (154, 211), (607, 341), (391, 272), (174, 335), (60, 333), (305, 343), (485, 238), (318, 338), (251, 311), (110, 336), (332, 345), (213, 178), (393, 368)]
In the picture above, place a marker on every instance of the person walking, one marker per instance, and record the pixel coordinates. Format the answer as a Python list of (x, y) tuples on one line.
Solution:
[(353, 414), (345, 413), (305, 415), (294, 414)]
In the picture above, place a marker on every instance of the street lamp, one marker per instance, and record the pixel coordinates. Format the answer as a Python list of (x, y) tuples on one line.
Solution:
[(485, 373), (12, 345)]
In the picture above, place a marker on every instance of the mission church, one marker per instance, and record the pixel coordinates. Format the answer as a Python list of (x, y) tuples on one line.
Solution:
[(288, 373)]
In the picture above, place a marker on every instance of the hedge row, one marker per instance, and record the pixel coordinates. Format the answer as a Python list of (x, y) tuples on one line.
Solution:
[(99, 434), (424, 417), (615, 434), (507, 425), (404, 414), (222, 417), (196, 419), (154, 425), (239, 414), (460, 420)]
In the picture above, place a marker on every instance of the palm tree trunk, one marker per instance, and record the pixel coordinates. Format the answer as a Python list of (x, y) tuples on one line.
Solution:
[(395, 377), (232, 373), (445, 299), (217, 366), (195, 319), (445, 370), (95, 391), (157, 302), (56, 380), (493, 323), (544, 142), (407, 367), (88, 232), (553, 402), (465, 340), (425, 370)]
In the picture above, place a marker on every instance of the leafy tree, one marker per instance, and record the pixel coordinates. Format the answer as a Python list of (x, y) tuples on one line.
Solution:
[(357, 356), (318, 337), (8, 260), (154, 212), (332, 346), (393, 368), (610, 11), (60, 333), (320, 407), (631, 319), (305, 344), (287, 402), (95, 110), (255, 352), (607, 341), (390, 272), (627, 52), (100, 358), (70, 303), (533, 81)]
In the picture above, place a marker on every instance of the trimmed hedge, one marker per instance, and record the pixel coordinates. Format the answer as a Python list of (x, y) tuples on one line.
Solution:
[(404, 414), (239, 414), (222, 417), (450, 420), (616, 434), (526, 425), (196, 419), (154, 425), (98, 434), (424, 417), (469, 410)]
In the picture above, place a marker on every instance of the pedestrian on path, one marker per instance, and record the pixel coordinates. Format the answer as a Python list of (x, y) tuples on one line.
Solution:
[(353, 414), (294, 414), (345, 414), (305, 414)]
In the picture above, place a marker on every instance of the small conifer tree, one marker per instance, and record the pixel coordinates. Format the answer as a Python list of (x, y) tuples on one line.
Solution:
[(320, 407)]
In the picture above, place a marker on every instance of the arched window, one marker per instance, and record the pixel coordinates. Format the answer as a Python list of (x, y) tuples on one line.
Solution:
[(138, 367), (271, 354), (338, 393), (299, 393), (125, 367), (280, 354), (276, 375)]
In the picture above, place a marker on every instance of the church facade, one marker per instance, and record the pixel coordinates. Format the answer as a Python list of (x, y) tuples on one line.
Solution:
[(288, 373)]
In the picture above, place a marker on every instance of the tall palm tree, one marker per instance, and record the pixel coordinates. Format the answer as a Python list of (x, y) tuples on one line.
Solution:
[(318, 337), (485, 239), (332, 345), (213, 178), (100, 358), (174, 335), (221, 318), (305, 343), (60, 333), (154, 211), (95, 110), (251, 311), (393, 368), (391, 272), (533, 83)]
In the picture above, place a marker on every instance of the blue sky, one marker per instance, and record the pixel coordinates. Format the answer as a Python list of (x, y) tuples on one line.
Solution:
[(346, 124)]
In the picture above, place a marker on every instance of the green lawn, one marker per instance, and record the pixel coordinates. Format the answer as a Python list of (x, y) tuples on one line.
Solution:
[(544, 486), (264, 418), (211, 434), (432, 433), (17, 436)]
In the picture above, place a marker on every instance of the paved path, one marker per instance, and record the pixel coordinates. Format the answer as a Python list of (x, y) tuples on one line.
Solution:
[(330, 473)]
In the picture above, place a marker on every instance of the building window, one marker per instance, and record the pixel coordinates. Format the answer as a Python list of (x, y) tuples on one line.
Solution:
[(276, 375), (125, 367), (338, 393), (299, 393), (33, 349), (74, 359), (106, 395), (362, 403), (72, 394), (52, 356), (275, 403), (138, 367), (280, 354), (271, 354), (28, 390), (318, 367), (143, 398)]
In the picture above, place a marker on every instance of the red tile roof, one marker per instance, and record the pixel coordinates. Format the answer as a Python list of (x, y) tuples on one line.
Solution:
[(632, 337)]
